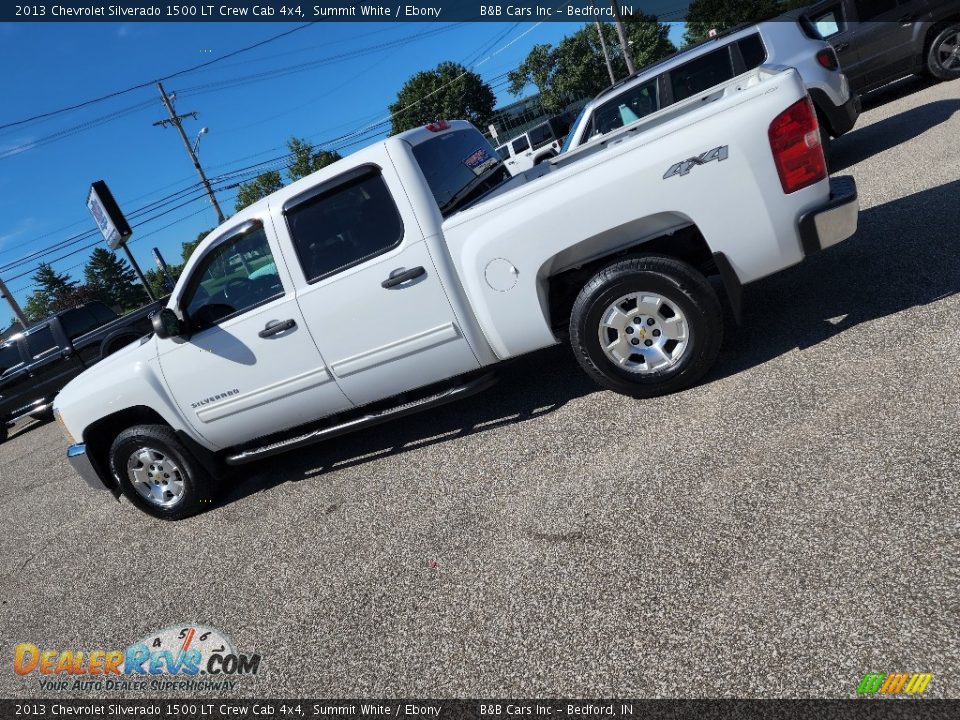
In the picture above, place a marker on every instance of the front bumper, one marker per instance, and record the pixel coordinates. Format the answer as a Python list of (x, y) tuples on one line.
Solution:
[(833, 221), (78, 458)]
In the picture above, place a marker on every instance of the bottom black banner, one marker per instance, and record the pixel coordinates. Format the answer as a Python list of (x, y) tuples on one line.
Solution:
[(485, 709)]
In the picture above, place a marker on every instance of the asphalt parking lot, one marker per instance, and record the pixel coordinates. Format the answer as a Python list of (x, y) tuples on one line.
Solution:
[(777, 531)]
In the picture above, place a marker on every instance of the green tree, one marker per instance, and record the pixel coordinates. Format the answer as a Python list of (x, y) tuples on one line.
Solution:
[(706, 15), (575, 67), (113, 280), (78, 295), (649, 39), (51, 285), (187, 248), (157, 281), (448, 92), (305, 159), (258, 188)]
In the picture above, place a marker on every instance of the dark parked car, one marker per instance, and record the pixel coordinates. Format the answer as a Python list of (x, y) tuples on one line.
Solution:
[(879, 41), (37, 363)]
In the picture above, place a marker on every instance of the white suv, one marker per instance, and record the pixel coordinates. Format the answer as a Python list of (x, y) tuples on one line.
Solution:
[(538, 144), (714, 61)]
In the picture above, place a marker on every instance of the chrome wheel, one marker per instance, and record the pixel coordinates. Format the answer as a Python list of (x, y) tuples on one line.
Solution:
[(156, 477), (644, 332), (948, 53)]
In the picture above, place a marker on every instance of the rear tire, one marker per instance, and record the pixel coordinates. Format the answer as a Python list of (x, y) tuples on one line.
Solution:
[(4, 431), (158, 474), (943, 57), (646, 326)]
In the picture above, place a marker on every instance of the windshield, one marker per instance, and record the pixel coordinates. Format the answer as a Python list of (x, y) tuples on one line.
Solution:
[(573, 130), (458, 166)]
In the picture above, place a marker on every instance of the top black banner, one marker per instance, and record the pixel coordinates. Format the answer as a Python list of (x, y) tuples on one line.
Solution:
[(337, 11)]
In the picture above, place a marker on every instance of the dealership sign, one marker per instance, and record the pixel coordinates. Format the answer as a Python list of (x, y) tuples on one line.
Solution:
[(111, 222)]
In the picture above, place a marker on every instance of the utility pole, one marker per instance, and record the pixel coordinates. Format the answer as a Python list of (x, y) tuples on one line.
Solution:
[(4, 292), (175, 121), (627, 51), (606, 53)]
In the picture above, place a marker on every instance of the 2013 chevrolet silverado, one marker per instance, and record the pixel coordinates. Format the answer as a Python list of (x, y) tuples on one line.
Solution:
[(392, 280)]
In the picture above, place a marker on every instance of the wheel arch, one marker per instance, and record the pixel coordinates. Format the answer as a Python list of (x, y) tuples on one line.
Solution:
[(99, 437), (685, 243), (543, 157)]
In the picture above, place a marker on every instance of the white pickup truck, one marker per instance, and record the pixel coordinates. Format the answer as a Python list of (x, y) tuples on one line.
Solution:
[(394, 279)]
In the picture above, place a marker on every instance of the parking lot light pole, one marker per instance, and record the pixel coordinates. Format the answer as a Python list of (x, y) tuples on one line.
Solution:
[(606, 53), (14, 305), (624, 43), (176, 121)]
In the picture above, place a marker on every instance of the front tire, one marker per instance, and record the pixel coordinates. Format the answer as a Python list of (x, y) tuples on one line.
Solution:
[(646, 326), (158, 474), (943, 57)]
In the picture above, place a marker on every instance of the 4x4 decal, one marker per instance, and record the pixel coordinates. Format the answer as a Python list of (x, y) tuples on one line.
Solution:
[(685, 166)]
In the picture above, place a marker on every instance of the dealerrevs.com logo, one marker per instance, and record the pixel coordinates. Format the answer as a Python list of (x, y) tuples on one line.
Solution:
[(894, 683), (181, 657)]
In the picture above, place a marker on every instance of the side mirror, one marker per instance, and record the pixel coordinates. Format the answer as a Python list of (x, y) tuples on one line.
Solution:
[(166, 324)]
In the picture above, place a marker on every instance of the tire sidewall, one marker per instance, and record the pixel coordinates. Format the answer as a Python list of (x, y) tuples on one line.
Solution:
[(626, 282), (933, 58), (133, 440)]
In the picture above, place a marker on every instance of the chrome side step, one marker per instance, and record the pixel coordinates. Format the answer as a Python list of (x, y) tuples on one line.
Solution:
[(454, 393)]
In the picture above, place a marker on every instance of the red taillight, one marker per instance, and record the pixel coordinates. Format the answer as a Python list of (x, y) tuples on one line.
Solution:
[(795, 142), (438, 125), (828, 59)]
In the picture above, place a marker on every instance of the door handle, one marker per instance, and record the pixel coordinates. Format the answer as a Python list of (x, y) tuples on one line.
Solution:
[(275, 327), (400, 276), (840, 47)]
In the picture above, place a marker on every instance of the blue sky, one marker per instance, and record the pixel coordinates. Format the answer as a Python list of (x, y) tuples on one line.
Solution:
[(43, 183)]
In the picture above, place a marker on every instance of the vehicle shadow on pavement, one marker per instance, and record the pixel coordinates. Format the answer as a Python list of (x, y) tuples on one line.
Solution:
[(870, 140), (897, 90), (903, 255), (528, 388)]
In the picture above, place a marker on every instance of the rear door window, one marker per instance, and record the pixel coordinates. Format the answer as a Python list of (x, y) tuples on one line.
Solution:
[(9, 357), (701, 74), (40, 341), (520, 144), (753, 52), (627, 107), (352, 222), (540, 136)]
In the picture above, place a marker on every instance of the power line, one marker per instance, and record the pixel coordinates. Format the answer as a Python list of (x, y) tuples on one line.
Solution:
[(349, 139), (147, 83)]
